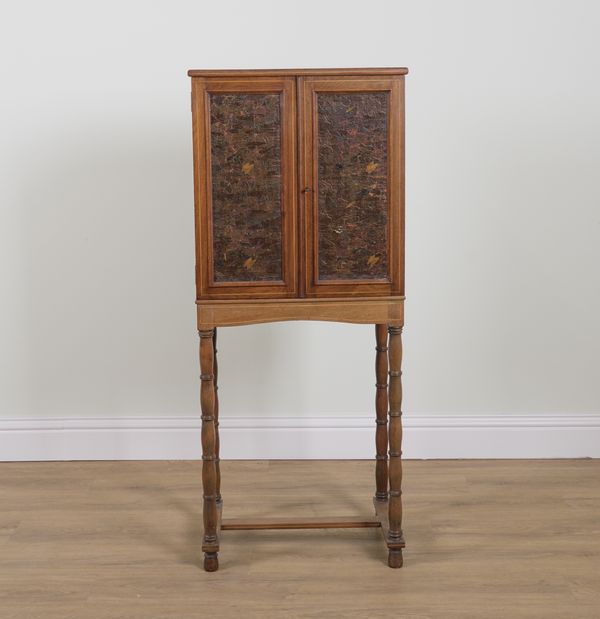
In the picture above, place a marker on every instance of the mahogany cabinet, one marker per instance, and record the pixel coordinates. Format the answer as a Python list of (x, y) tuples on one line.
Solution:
[(299, 203)]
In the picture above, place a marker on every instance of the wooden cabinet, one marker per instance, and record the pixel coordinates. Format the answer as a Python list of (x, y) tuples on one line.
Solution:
[(299, 184), (299, 196)]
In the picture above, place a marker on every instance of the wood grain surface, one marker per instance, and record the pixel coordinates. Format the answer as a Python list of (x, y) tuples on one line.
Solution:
[(218, 313), (122, 540)]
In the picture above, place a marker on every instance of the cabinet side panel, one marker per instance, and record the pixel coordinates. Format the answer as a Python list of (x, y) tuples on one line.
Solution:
[(352, 132), (245, 148)]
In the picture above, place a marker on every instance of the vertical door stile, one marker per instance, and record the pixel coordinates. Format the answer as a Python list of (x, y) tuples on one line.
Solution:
[(300, 185)]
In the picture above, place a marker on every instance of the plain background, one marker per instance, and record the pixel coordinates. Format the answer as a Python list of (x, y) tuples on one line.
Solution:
[(97, 314)]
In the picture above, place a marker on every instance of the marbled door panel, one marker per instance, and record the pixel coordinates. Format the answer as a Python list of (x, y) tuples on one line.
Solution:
[(245, 135), (352, 185)]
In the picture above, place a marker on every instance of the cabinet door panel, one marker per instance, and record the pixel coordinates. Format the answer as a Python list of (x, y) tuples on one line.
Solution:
[(352, 185), (246, 202), (245, 139), (352, 175)]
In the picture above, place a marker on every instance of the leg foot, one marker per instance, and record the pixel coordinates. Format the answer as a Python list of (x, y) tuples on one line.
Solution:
[(395, 558), (211, 561)]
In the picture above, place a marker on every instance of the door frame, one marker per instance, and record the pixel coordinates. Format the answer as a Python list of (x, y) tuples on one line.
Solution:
[(206, 286), (310, 285)]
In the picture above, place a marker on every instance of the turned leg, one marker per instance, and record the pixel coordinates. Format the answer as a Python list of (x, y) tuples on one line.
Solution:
[(381, 408), (395, 540), (216, 415), (210, 541)]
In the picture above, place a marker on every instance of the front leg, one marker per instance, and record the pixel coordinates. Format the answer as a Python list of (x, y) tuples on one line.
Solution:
[(217, 440), (210, 540), (381, 409), (395, 540)]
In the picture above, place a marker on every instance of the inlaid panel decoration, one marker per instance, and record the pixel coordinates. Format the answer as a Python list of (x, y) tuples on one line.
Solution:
[(352, 133), (245, 137)]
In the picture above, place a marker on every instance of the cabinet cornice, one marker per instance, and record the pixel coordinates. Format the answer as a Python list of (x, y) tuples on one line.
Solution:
[(295, 72)]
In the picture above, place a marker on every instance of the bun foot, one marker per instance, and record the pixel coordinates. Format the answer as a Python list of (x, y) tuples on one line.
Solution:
[(395, 558), (211, 561)]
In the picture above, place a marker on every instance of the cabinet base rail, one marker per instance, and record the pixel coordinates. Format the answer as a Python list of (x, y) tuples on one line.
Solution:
[(342, 522)]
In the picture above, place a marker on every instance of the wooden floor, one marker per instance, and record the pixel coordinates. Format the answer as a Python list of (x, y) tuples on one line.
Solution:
[(504, 539)]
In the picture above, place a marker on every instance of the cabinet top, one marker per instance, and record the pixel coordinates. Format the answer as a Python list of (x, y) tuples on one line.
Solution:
[(294, 72)]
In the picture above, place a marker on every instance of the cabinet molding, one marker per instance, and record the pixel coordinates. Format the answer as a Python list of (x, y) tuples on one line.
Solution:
[(295, 72)]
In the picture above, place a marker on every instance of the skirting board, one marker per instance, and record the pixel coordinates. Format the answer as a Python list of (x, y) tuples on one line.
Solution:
[(178, 438)]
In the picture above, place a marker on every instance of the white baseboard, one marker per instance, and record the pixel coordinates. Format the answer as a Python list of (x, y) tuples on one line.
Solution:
[(178, 438)]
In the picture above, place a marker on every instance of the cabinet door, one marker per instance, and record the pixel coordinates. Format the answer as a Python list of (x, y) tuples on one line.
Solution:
[(245, 162), (352, 185)]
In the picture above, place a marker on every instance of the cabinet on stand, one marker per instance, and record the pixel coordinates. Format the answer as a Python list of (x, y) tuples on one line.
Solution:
[(299, 202)]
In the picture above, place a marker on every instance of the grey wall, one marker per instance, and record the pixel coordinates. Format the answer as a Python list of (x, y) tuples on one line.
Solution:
[(96, 216)]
